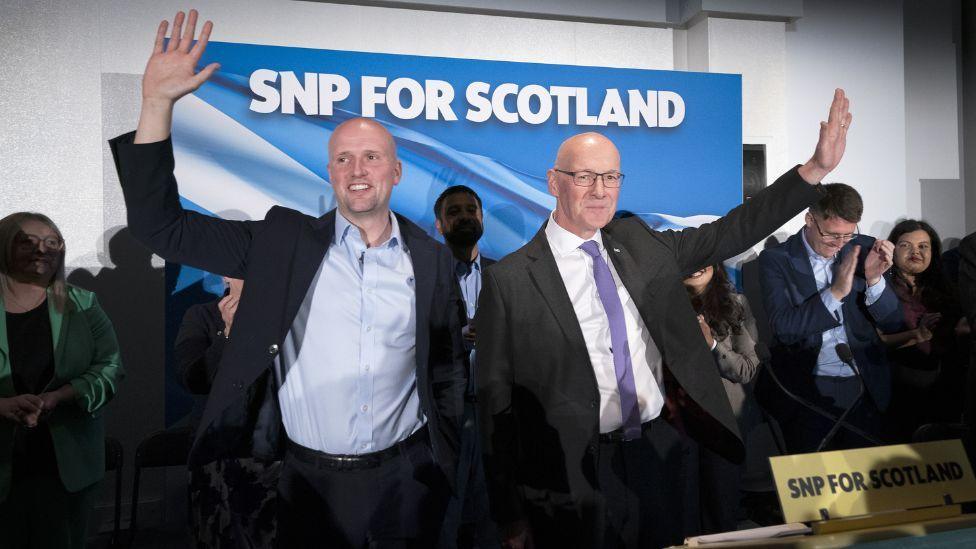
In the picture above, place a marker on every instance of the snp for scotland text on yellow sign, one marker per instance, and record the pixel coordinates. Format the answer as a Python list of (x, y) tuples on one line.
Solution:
[(871, 480)]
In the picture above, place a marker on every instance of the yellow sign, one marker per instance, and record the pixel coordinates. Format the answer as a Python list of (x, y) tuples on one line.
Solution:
[(870, 480)]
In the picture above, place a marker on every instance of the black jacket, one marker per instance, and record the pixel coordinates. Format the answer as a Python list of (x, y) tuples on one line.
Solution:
[(277, 258)]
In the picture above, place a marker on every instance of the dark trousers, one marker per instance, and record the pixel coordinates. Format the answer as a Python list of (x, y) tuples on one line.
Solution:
[(468, 517), (804, 430), (399, 503), (40, 514), (719, 492), (643, 498)]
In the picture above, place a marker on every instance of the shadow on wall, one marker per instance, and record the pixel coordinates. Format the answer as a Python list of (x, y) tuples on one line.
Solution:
[(130, 290)]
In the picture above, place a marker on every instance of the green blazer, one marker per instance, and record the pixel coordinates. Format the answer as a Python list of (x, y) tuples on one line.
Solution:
[(86, 355)]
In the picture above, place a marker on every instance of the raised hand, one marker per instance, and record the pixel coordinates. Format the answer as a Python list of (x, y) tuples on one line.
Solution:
[(171, 74), (844, 274), (228, 308), (833, 140), (879, 260), (171, 71)]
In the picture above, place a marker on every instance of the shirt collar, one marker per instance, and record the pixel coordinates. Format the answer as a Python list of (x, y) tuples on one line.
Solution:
[(463, 268), (564, 242), (343, 228), (811, 253)]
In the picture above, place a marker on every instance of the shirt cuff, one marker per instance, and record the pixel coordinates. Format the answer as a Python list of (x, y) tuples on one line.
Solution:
[(873, 293), (830, 302), (714, 344)]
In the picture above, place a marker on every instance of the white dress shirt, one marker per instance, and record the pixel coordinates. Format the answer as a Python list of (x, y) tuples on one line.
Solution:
[(576, 269)]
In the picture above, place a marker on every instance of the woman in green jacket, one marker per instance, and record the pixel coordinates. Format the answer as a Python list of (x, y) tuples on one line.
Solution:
[(59, 365)]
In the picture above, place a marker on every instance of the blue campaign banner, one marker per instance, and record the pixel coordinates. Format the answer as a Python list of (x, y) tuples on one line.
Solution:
[(256, 135)]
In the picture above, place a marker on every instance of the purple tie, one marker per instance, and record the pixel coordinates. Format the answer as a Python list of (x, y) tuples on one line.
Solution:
[(607, 289)]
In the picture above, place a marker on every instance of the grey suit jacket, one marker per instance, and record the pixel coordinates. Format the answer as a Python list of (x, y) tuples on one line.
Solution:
[(538, 398)]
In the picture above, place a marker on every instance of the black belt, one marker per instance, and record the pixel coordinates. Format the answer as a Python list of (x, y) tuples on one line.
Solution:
[(346, 462), (617, 435)]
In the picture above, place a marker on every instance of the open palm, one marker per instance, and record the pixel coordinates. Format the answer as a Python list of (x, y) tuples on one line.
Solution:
[(171, 70)]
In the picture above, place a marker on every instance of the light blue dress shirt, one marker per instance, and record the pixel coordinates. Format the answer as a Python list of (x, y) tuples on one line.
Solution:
[(348, 362), (469, 278), (828, 363)]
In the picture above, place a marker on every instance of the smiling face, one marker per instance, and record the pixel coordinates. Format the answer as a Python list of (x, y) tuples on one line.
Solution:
[(32, 259), (913, 252), (828, 236), (698, 281), (584, 210), (363, 168)]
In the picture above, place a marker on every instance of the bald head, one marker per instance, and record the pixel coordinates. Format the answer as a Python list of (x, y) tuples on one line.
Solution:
[(584, 207), (357, 129), (580, 150)]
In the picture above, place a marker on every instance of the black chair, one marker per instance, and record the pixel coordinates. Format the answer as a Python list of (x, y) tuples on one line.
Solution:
[(169, 448), (114, 462)]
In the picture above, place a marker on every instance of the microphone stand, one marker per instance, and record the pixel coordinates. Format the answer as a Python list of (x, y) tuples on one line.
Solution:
[(845, 354), (764, 355)]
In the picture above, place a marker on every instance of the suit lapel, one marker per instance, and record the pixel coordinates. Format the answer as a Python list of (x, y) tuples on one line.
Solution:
[(630, 275), (806, 284), (545, 275), (313, 241), (4, 346), (424, 272), (59, 328)]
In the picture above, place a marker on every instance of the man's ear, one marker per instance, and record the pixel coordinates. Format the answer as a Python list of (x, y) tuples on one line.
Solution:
[(437, 224), (551, 175)]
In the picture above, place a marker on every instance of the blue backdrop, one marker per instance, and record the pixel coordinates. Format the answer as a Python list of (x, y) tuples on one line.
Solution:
[(236, 162)]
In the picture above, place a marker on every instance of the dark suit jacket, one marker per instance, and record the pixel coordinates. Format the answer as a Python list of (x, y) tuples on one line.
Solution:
[(199, 346), (967, 279), (798, 318), (277, 258), (537, 393)]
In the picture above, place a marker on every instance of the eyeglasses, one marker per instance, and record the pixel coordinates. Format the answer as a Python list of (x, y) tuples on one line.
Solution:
[(586, 178), (52, 243), (834, 237)]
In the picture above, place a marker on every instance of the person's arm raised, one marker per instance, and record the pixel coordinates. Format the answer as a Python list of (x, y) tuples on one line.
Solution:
[(171, 74), (832, 142)]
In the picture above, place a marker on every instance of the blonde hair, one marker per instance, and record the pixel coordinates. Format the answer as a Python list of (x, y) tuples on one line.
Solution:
[(9, 228)]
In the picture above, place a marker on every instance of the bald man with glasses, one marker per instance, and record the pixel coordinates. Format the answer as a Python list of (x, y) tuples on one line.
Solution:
[(821, 288)]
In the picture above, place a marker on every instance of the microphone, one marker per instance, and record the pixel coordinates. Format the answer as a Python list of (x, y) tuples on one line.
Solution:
[(844, 352), (764, 355)]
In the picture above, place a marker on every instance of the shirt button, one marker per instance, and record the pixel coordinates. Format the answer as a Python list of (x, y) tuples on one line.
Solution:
[(366, 367), (365, 407), (369, 328), (364, 446), (369, 290)]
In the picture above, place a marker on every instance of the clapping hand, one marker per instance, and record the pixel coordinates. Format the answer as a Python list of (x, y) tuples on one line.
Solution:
[(844, 273), (879, 260), (926, 326)]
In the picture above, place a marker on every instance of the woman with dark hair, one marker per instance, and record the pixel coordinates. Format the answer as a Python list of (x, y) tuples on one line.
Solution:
[(59, 364), (927, 367), (729, 330)]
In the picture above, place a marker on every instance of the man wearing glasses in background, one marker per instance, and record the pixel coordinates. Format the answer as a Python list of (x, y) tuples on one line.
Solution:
[(823, 287), (592, 372)]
